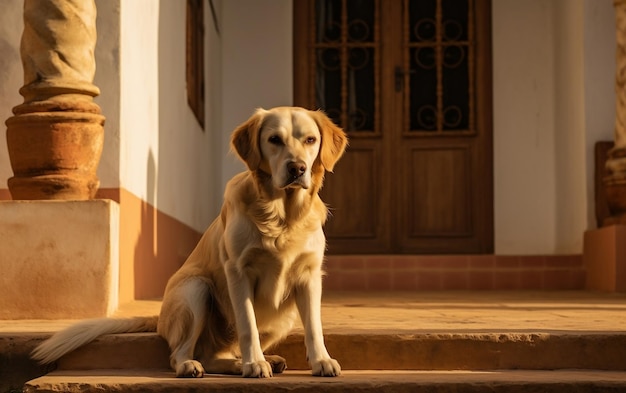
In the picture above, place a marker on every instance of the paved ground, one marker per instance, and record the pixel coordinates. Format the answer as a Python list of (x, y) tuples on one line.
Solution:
[(350, 381), (350, 312)]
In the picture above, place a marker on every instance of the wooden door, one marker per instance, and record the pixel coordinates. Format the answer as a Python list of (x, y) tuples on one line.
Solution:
[(410, 82)]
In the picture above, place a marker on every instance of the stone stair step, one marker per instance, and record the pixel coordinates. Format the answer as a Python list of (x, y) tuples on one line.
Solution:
[(392, 351), (509, 381), (408, 331)]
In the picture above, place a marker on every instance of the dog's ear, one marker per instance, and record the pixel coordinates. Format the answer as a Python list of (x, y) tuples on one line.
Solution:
[(245, 140), (334, 140)]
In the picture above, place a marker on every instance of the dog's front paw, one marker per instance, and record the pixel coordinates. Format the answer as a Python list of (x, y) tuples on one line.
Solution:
[(260, 369), (190, 369), (278, 363), (326, 368)]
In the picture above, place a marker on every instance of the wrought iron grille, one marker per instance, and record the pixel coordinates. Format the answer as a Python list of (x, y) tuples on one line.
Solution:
[(439, 54), (347, 66), (436, 75)]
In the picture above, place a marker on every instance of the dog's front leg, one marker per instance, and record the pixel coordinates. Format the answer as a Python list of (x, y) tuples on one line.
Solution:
[(240, 290), (309, 299)]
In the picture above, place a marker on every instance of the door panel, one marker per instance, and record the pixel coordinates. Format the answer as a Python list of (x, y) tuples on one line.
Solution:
[(410, 82), (353, 189), (358, 218), (439, 191)]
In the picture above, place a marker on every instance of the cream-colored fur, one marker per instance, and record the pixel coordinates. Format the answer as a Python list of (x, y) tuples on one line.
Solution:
[(258, 265)]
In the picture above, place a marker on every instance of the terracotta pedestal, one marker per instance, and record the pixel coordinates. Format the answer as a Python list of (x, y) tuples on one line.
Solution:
[(55, 155), (604, 256)]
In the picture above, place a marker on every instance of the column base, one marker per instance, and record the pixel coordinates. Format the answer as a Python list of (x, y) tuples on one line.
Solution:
[(604, 256), (59, 259), (58, 186), (54, 155)]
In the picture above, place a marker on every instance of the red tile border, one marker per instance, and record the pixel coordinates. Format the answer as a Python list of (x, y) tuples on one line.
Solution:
[(455, 280), (430, 262), (347, 262), (532, 279), (378, 262), (507, 261), (454, 272), (560, 261), (481, 261), (503, 280), (455, 262), (403, 262), (533, 261), (379, 281), (403, 281), (429, 281), (480, 280)]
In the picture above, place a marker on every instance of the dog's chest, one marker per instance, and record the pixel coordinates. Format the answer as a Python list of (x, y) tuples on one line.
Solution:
[(279, 274), (276, 272)]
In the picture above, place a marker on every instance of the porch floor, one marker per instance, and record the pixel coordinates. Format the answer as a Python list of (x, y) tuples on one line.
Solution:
[(439, 311)]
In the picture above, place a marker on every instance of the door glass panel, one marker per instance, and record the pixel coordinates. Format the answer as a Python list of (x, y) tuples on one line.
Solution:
[(328, 82), (455, 81), (422, 21), (455, 20), (346, 72), (328, 21), (423, 89), (361, 16), (360, 89), (439, 48)]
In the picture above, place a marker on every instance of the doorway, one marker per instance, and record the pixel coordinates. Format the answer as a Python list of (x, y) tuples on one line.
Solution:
[(410, 83)]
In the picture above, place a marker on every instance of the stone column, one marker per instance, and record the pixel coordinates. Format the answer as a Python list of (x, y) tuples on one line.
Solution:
[(615, 181), (55, 137)]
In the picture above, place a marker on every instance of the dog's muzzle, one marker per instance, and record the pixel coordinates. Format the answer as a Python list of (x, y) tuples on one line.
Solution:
[(296, 171)]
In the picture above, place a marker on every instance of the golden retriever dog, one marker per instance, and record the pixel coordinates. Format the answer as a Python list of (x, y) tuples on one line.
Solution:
[(257, 266)]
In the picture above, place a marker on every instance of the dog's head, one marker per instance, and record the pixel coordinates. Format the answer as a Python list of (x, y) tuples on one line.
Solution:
[(292, 145)]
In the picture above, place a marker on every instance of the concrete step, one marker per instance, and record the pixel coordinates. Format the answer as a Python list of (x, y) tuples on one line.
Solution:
[(410, 331), (507, 381), (392, 351)]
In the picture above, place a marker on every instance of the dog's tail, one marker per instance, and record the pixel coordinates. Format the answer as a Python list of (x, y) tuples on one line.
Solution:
[(85, 332)]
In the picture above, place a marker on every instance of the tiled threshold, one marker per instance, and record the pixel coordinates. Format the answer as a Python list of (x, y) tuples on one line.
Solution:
[(454, 272)]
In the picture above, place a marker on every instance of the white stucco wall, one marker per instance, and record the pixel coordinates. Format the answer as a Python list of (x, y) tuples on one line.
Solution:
[(165, 156), (599, 77), (570, 180), (257, 64), (139, 102), (553, 71), (107, 78), (524, 168)]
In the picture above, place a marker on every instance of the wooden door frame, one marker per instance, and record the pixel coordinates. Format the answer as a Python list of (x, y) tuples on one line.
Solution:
[(481, 154), (302, 26), (482, 205)]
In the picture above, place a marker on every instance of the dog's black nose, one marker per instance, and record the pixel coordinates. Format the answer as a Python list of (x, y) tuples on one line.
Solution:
[(296, 168)]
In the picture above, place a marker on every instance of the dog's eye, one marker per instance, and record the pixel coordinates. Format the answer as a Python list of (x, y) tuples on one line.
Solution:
[(310, 140), (275, 140)]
